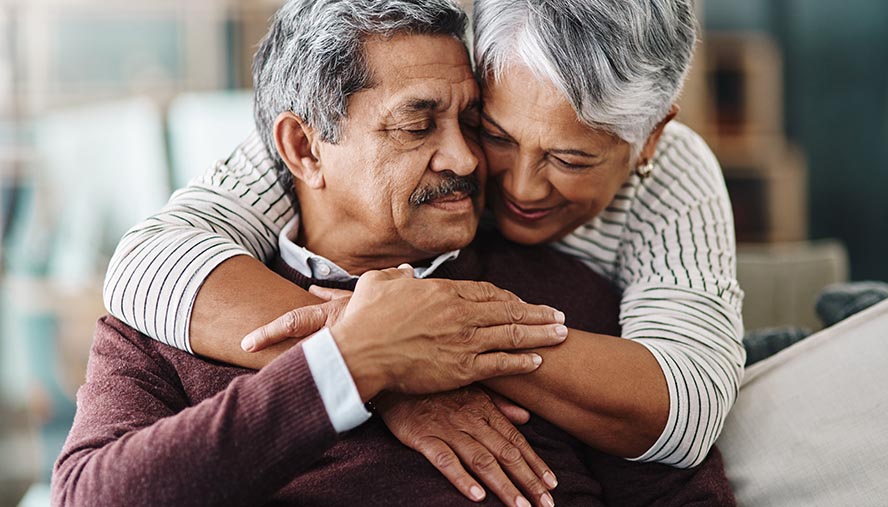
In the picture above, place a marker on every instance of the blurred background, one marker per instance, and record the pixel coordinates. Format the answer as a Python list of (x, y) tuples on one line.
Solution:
[(107, 106)]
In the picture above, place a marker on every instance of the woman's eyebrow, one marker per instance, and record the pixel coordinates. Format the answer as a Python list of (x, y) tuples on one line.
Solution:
[(495, 124), (578, 153), (565, 151)]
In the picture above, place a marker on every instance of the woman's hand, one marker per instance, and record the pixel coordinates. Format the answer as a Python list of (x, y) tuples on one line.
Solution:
[(467, 428), (428, 336), (300, 322)]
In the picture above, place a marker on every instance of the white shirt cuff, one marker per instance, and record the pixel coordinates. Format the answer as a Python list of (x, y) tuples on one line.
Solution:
[(335, 383)]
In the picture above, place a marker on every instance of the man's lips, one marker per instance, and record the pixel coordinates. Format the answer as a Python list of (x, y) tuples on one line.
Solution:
[(527, 213), (455, 201)]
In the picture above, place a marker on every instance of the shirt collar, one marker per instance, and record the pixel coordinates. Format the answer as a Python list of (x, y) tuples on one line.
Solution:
[(318, 267)]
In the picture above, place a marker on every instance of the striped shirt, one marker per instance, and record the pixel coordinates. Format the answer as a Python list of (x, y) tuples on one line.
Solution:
[(666, 241)]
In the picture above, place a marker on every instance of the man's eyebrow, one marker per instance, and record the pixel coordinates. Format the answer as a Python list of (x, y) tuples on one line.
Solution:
[(417, 106)]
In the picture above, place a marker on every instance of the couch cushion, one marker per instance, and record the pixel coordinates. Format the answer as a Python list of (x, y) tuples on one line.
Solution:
[(810, 426)]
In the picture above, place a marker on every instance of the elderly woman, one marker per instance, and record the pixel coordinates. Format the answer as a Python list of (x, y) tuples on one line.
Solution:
[(578, 103)]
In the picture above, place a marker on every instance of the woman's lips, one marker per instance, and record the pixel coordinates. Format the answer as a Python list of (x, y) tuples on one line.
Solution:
[(527, 214)]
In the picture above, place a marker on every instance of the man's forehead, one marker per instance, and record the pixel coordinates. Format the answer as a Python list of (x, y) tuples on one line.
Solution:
[(419, 72)]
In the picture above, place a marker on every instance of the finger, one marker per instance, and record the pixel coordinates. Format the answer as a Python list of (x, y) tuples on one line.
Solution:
[(514, 413), (519, 336), (335, 309), (508, 431), (442, 457), (486, 467), (297, 323), (407, 269), (498, 364), (402, 271), (482, 291), (328, 294), (493, 313), (511, 459)]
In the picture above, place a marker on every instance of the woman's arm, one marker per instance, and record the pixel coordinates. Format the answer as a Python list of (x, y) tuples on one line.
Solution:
[(192, 276), (676, 265), (607, 391)]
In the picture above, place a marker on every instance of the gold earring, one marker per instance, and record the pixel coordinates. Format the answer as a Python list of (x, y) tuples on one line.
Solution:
[(645, 170)]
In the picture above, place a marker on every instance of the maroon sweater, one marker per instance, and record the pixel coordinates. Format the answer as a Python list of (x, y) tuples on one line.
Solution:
[(157, 426)]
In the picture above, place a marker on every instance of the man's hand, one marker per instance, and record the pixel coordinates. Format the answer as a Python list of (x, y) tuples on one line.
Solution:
[(425, 336), (464, 428), (299, 322)]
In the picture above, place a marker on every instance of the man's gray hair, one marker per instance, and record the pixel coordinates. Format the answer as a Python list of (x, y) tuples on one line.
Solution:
[(312, 58), (620, 63)]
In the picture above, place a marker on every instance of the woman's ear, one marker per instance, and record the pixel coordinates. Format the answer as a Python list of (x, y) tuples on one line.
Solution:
[(297, 145), (650, 145)]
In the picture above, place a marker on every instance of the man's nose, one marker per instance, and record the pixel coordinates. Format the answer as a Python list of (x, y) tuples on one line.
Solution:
[(454, 154)]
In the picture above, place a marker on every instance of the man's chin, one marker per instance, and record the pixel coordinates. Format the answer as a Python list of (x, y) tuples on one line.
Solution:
[(445, 238)]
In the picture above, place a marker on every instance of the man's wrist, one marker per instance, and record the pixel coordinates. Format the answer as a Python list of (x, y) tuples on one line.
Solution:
[(367, 374)]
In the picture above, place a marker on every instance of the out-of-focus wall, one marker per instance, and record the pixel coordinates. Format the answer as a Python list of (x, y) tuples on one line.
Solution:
[(836, 108)]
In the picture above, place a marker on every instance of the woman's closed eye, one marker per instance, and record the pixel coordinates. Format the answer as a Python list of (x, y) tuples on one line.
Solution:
[(571, 166), (494, 138)]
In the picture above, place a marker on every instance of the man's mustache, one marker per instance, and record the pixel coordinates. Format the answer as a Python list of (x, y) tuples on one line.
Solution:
[(449, 184)]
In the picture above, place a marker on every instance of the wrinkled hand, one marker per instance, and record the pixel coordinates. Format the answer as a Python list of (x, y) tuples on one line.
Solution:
[(300, 322), (423, 336), (464, 428)]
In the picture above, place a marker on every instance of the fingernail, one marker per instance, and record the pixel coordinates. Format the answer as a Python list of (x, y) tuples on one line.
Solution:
[(550, 480), (522, 502), (405, 266), (248, 343), (476, 492), (559, 317), (547, 500), (561, 331), (537, 359)]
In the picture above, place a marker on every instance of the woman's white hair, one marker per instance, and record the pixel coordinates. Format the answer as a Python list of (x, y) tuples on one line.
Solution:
[(620, 63)]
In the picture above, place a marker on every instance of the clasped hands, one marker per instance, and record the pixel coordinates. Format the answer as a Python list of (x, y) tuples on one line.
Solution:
[(416, 347)]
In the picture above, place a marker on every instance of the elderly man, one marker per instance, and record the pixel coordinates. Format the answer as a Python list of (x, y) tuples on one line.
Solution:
[(396, 179)]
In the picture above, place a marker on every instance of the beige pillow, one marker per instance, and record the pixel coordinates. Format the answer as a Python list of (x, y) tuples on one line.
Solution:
[(810, 426)]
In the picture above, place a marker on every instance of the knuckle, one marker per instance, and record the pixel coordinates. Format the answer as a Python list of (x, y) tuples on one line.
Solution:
[(488, 291), (517, 311), (509, 455), (466, 335), (291, 321), (503, 362), (443, 459), (516, 438), (483, 461), (516, 335), (465, 363), (373, 276), (452, 313)]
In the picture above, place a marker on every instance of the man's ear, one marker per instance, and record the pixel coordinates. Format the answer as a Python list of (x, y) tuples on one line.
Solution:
[(650, 145), (296, 144)]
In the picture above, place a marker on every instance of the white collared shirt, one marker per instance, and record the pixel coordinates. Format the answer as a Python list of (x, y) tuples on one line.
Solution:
[(319, 267)]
